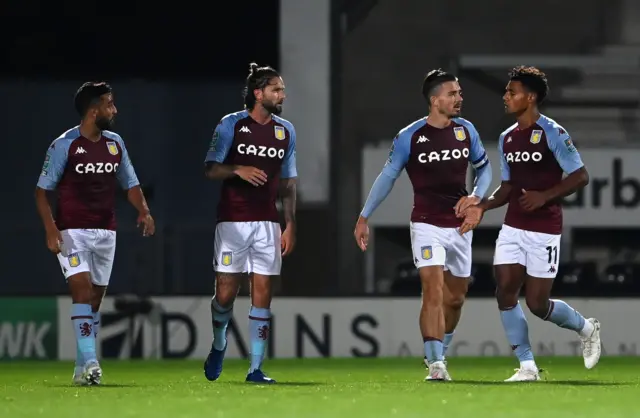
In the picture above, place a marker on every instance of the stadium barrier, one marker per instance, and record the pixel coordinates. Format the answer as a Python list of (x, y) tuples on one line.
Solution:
[(180, 327)]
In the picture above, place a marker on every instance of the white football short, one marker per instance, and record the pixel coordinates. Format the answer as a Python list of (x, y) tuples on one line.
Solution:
[(436, 246), (538, 252), (248, 246), (88, 250)]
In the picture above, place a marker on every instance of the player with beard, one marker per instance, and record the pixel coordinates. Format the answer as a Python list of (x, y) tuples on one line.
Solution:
[(436, 152), (253, 152), (539, 165), (84, 165)]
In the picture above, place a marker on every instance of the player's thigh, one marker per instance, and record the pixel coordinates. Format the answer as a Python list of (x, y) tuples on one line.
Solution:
[(231, 246), (458, 253), (265, 252), (509, 248), (428, 243), (75, 257), (103, 255), (543, 254)]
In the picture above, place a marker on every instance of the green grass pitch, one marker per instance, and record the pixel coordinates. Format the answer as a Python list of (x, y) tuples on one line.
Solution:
[(349, 388)]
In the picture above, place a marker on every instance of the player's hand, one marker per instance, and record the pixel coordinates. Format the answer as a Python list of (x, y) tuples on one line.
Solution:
[(148, 224), (361, 234), (532, 200), (464, 203), (252, 175), (472, 218), (54, 240), (288, 240)]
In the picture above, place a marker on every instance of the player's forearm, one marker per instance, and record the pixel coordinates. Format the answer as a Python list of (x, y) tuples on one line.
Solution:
[(499, 198), (569, 185), (136, 198), (483, 180), (379, 191), (288, 194), (216, 171), (44, 209)]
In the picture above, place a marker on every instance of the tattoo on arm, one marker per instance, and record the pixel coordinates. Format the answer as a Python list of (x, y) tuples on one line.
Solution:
[(288, 196), (217, 171)]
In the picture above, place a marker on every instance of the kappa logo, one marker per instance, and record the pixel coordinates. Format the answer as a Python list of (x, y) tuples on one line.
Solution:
[(80, 150), (422, 139), (112, 147), (245, 130)]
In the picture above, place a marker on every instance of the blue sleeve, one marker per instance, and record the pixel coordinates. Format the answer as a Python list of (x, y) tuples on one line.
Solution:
[(398, 157), (566, 154), (126, 175), (54, 164), (289, 169), (221, 141), (477, 153), (398, 154), (483, 180), (504, 166)]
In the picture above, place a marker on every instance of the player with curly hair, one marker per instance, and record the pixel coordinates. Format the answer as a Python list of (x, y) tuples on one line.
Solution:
[(535, 154)]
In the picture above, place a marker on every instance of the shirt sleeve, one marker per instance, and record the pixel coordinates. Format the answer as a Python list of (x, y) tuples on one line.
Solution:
[(55, 162), (220, 142)]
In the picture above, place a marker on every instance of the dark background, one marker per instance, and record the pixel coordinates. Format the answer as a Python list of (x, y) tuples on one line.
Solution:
[(176, 71)]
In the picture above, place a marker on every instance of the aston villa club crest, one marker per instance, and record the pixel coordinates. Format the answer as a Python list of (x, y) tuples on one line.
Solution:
[(427, 252), (74, 260), (227, 258), (536, 136), (459, 133), (279, 130), (112, 147)]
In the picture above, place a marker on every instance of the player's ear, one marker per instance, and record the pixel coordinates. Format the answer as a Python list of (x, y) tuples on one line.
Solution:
[(257, 93), (432, 100)]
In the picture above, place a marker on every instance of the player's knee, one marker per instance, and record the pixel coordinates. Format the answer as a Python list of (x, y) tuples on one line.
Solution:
[(227, 287), (225, 297), (261, 291), (506, 298), (455, 301), (97, 297), (539, 306)]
